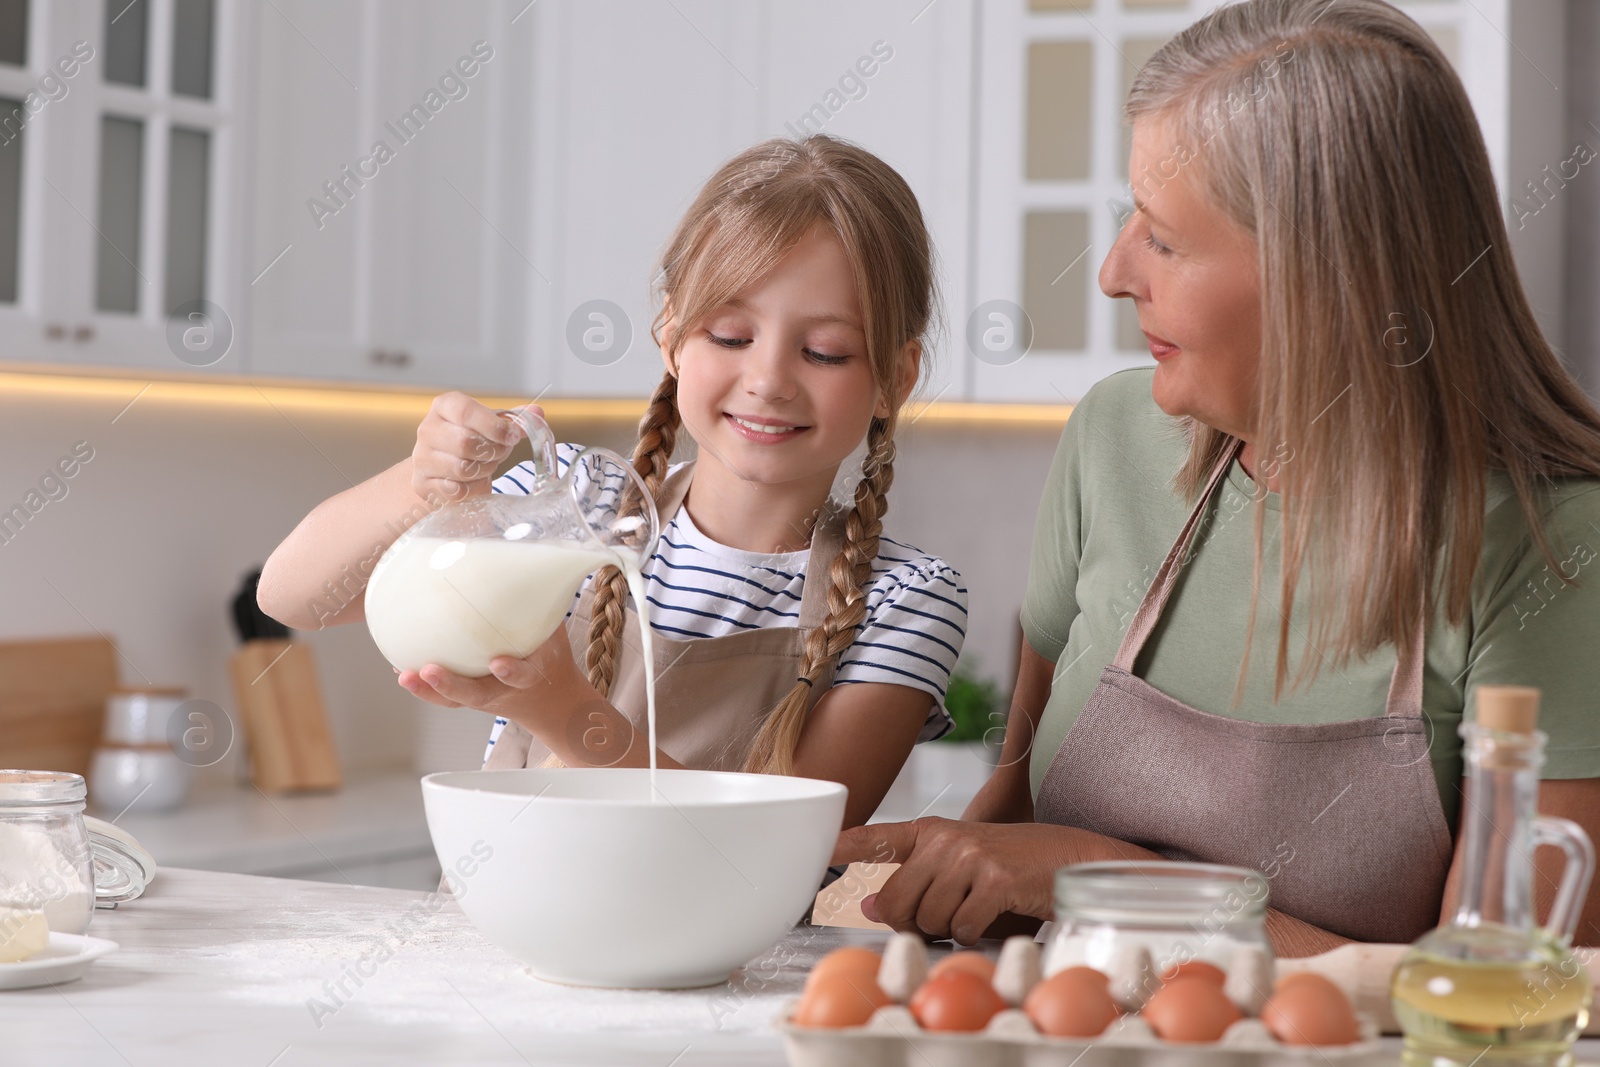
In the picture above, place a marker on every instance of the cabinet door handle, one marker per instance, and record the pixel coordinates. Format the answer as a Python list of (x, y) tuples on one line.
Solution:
[(82, 332), (55, 332), (383, 357)]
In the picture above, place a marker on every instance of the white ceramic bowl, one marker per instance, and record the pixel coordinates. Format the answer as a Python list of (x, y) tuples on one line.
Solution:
[(580, 874)]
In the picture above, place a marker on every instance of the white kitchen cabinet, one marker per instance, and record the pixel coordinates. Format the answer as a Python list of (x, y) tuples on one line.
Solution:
[(118, 177), (629, 130), (636, 104), (916, 111), (504, 236), (390, 226)]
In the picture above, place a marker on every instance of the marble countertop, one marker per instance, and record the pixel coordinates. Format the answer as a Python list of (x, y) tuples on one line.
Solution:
[(266, 972), (241, 829), (228, 968)]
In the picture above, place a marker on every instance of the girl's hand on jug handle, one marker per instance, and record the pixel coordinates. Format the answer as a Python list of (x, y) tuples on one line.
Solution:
[(460, 444), (957, 878)]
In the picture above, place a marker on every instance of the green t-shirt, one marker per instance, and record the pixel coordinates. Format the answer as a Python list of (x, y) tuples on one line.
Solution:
[(1109, 516)]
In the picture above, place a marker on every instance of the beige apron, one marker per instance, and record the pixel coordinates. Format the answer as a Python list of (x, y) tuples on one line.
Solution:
[(712, 693), (1352, 805)]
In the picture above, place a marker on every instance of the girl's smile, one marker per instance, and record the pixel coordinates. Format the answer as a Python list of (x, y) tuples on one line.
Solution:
[(764, 430)]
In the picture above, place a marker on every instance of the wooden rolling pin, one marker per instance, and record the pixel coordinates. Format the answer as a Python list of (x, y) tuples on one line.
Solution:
[(1363, 972)]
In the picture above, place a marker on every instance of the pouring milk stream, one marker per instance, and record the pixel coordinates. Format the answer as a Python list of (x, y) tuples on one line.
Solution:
[(495, 575)]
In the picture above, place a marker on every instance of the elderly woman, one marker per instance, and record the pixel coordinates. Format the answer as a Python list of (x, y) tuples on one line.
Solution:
[(1268, 573)]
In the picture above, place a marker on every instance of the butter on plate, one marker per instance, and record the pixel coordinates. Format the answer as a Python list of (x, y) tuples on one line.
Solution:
[(23, 933)]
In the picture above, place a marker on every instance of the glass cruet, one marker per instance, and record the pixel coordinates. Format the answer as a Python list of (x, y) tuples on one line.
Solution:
[(1491, 986), (495, 575)]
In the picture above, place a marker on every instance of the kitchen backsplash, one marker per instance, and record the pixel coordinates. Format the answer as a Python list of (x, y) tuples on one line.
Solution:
[(145, 515)]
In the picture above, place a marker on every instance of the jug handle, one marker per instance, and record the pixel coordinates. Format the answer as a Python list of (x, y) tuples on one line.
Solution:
[(539, 436), (1570, 838)]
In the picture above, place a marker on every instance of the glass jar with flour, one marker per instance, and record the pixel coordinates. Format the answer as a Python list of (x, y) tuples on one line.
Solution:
[(46, 864)]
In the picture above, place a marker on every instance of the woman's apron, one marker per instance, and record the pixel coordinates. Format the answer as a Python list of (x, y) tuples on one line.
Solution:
[(712, 693), (1345, 816)]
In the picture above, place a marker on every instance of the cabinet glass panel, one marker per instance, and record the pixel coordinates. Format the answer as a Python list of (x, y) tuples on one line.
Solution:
[(1056, 266), (1136, 51), (191, 47), (117, 275), (1059, 110), (14, 33), (126, 22), (187, 183), (10, 204)]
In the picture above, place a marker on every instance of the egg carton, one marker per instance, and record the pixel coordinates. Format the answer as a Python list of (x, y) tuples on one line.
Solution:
[(892, 1038)]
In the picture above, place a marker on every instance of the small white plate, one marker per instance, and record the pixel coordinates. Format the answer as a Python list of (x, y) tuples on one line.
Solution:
[(63, 960)]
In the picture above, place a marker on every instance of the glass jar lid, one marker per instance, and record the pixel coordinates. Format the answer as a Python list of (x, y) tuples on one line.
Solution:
[(37, 789), (1154, 892), (122, 866)]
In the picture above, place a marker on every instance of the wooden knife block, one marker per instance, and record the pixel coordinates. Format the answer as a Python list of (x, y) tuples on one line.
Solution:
[(291, 746)]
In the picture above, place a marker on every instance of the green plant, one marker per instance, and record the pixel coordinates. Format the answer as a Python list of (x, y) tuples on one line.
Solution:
[(976, 706)]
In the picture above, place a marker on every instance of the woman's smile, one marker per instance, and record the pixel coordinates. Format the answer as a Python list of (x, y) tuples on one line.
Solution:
[(1160, 347)]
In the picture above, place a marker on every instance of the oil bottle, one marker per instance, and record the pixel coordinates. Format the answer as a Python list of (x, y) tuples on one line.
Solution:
[(1490, 986)]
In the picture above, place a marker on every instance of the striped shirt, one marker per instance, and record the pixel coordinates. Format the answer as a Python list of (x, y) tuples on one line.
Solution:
[(916, 605)]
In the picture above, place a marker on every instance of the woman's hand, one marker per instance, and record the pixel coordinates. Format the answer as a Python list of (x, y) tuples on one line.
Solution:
[(957, 878), (460, 444)]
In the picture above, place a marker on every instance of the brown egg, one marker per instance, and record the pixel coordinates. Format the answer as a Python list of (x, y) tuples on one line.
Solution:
[(1075, 1002), (1297, 976), (1197, 969), (956, 1000), (839, 1000), (1190, 1010), (1100, 978), (975, 962), (1308, 1009), (851, 959)]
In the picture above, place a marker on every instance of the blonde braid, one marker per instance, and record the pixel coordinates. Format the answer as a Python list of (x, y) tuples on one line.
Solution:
[(658, 434), (773, 750)]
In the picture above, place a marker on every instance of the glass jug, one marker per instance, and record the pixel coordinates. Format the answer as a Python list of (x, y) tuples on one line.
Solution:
[(495, 575), (1490, 986)]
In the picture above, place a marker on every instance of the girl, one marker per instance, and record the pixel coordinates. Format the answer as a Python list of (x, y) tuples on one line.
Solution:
[(790, 635)]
